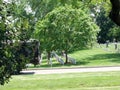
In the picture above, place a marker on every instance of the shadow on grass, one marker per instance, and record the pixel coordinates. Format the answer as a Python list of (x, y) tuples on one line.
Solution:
[(53, 65), (110, 57), (84, 62), (114, 57), (68, 64), (27, 73)]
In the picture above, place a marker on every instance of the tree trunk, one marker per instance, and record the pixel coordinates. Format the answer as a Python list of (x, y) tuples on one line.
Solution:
[(48, 57), (66, 56)]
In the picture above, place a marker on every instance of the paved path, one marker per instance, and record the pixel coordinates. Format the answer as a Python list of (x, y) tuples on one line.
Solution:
[(72, 70)]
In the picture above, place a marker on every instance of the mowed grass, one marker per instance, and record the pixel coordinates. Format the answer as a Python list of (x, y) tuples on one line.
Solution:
[(99, 56), (76, 81), (96, 57)]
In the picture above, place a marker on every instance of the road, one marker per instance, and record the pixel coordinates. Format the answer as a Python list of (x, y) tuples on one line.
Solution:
[(72, 70)]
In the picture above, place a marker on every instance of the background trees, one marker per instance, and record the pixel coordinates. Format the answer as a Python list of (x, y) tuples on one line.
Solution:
[(100, 12), (114, 33), (41, 8), (105, 25)]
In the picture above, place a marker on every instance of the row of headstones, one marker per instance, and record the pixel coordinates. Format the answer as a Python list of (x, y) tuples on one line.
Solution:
[(61, 61), (115, 44)]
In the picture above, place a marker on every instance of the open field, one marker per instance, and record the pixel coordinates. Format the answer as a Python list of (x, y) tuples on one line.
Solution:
[(100, 56), (76, 81)]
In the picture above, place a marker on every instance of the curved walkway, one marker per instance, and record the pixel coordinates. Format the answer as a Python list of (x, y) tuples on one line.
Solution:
[(72, 70)]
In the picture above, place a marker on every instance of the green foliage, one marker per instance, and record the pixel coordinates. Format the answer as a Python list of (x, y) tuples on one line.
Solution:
[(24, 53), (13, 26), (99, 12), (6, 61), (23, 20), (105, 25), (66, 28), (115, 33), (42, 7)]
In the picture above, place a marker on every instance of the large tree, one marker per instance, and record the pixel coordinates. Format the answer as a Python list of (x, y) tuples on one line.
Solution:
[(66, 28), (115, 8)]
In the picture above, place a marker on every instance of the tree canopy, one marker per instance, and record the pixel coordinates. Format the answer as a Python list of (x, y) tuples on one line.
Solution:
[(66, 28)]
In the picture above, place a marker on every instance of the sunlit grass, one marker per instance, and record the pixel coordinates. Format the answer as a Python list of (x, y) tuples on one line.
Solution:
[(77, 81)]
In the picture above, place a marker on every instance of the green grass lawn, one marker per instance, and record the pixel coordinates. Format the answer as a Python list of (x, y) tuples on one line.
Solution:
[(77, 81), (99, 56)]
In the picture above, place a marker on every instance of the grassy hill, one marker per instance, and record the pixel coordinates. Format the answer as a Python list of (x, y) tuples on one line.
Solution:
[(100, 56)]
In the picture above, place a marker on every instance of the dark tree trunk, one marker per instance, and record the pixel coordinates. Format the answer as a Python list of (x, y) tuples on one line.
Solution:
[(48, 57), (66, 56), (115, 12)]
